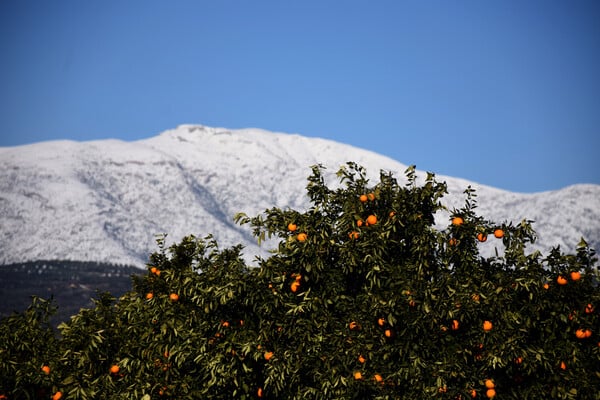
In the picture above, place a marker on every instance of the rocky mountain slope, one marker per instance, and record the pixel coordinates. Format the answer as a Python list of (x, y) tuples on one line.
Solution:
[(106, 200)]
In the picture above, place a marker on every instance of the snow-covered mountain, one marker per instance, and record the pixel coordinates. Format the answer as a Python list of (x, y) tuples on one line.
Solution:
[(106, 200)]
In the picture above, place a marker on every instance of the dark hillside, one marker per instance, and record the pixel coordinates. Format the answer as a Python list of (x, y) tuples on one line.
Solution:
[(72, 284)]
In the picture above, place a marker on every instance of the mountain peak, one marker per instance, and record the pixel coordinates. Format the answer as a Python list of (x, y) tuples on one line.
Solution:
[(106, 200)]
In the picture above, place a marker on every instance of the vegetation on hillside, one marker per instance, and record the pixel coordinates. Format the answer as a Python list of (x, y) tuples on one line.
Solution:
[(71, 284), (363, 298)]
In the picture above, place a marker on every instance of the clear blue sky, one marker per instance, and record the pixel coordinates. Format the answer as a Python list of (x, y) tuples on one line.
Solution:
[(505, 93)]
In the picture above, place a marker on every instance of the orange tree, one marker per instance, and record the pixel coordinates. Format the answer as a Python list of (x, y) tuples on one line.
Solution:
[(363, 297)]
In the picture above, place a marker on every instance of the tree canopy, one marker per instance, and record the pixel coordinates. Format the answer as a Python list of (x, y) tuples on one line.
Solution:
[(363, 297)]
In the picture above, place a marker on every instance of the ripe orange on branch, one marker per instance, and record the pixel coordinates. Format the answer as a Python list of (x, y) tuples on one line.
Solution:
[(292, 227), (455, 325), (302, 237), (561, 280), (371, 219), (589, 309), (487, 326), (457, 221), (575, 275), (294, 286), (499, 233)]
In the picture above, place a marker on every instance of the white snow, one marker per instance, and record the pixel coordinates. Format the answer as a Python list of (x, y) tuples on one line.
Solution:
[(106, 200)]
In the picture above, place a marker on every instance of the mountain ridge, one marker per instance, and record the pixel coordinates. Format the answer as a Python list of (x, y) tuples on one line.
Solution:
[(105, 200)]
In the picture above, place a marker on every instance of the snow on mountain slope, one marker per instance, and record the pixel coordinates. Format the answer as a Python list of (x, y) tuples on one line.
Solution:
[(106, 200)]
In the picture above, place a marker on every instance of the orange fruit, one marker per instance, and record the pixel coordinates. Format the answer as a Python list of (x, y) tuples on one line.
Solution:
[(361, 359), (457, 221), (381, 321), (302, 237), (174, 296), (268, 355), (359, 223), (476, 298), (371, 219), (294, 286), (354, 326), (487, 326), (491, 393), (357, 375), (455, 325), (473, 393), (563, 366), (114, 369), (546, 285), (589, 308), (363, 198), (259, 392), (292, 227), (452, 242), (225, 324), (57, 395), (575, 275), (489, 384), (561, 280), (149, 295), (580, 333), (46, 369), (378, 378), (482, 237), (519, 360), (353, 235), (371, 196), (392, 213), (499, 233), (153, 270), (388, 333)]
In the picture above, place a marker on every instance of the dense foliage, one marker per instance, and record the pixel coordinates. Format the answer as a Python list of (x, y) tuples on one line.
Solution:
[(363, 298)]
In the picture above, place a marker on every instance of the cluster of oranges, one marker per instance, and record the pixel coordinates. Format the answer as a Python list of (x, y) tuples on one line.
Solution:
[(46, 370), (302, 236), (481, 236), (575, 276), (358, 374)]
